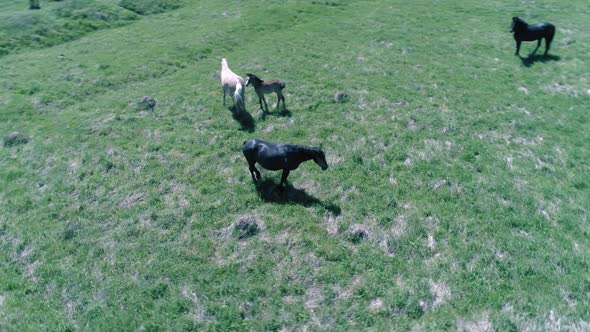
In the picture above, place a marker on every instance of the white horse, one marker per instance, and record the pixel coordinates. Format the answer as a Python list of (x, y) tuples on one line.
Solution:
[(232, 84)]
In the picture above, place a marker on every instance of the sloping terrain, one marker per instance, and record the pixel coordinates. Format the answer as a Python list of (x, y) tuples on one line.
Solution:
[(456, 198)]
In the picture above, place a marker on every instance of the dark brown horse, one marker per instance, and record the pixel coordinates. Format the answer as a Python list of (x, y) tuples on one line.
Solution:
[(524, 32), (264, 87), (275, 157)]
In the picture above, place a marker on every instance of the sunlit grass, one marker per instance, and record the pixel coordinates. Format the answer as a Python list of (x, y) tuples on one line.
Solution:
[(465, 167)]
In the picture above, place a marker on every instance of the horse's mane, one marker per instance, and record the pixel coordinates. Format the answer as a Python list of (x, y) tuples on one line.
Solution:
[(519, 20), (256, 78), (308, 149)]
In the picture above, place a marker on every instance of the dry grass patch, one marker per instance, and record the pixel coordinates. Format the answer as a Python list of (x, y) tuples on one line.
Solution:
[(347, 292), (441, 293), (398, 229), (376, 304), (132, 200), (550, 322), (332, 223), (562, 88), (482, 324), (549, 209), (198, 312)]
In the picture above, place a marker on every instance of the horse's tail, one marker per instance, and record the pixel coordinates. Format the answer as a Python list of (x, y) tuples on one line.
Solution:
[(282, 86), (239, 97), (551, 34)]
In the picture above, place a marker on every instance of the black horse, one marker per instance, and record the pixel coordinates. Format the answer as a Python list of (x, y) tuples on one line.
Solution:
[(525, 32), (275, 157)]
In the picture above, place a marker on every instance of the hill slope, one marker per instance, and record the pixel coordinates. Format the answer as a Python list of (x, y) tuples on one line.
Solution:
[(466, 167)]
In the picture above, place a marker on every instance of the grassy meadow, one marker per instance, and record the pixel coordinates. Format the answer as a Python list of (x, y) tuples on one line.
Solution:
[(466, 167)]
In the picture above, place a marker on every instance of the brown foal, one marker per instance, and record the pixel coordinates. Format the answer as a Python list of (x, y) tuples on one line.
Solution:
[(264, 87)]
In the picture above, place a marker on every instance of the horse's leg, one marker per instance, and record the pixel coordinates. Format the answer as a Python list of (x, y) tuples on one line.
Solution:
[(260, 101), (223, 97), (284, 177), (265, 104), (547, 45), (280, 97), (283, 98), (538, 44), (254, 171), (518, 47)]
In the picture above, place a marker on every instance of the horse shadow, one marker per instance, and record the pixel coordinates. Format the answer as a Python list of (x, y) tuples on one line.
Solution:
[(533, 58), (269, 191), (244, 118), (282, 113)]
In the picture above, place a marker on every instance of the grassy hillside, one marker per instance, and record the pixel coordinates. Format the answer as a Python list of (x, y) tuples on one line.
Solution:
[(465, 167)]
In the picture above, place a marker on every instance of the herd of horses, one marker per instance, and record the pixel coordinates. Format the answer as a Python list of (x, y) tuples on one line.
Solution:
[(288, 157)]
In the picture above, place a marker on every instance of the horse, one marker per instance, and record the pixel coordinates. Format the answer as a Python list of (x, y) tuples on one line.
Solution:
[(264, 87), (274, 157), (524, 32), (232, 84)]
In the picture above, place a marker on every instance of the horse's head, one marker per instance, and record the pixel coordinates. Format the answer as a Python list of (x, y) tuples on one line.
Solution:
[(516, 23), (319, 158), (252, 78)]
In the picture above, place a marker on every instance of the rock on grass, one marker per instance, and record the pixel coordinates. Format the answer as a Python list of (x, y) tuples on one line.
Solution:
[(146, 103), (341, 97), (246, 227), (15, 138), (567, 41)]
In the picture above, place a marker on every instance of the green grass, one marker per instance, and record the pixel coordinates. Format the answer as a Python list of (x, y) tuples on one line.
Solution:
[(467, 167)]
